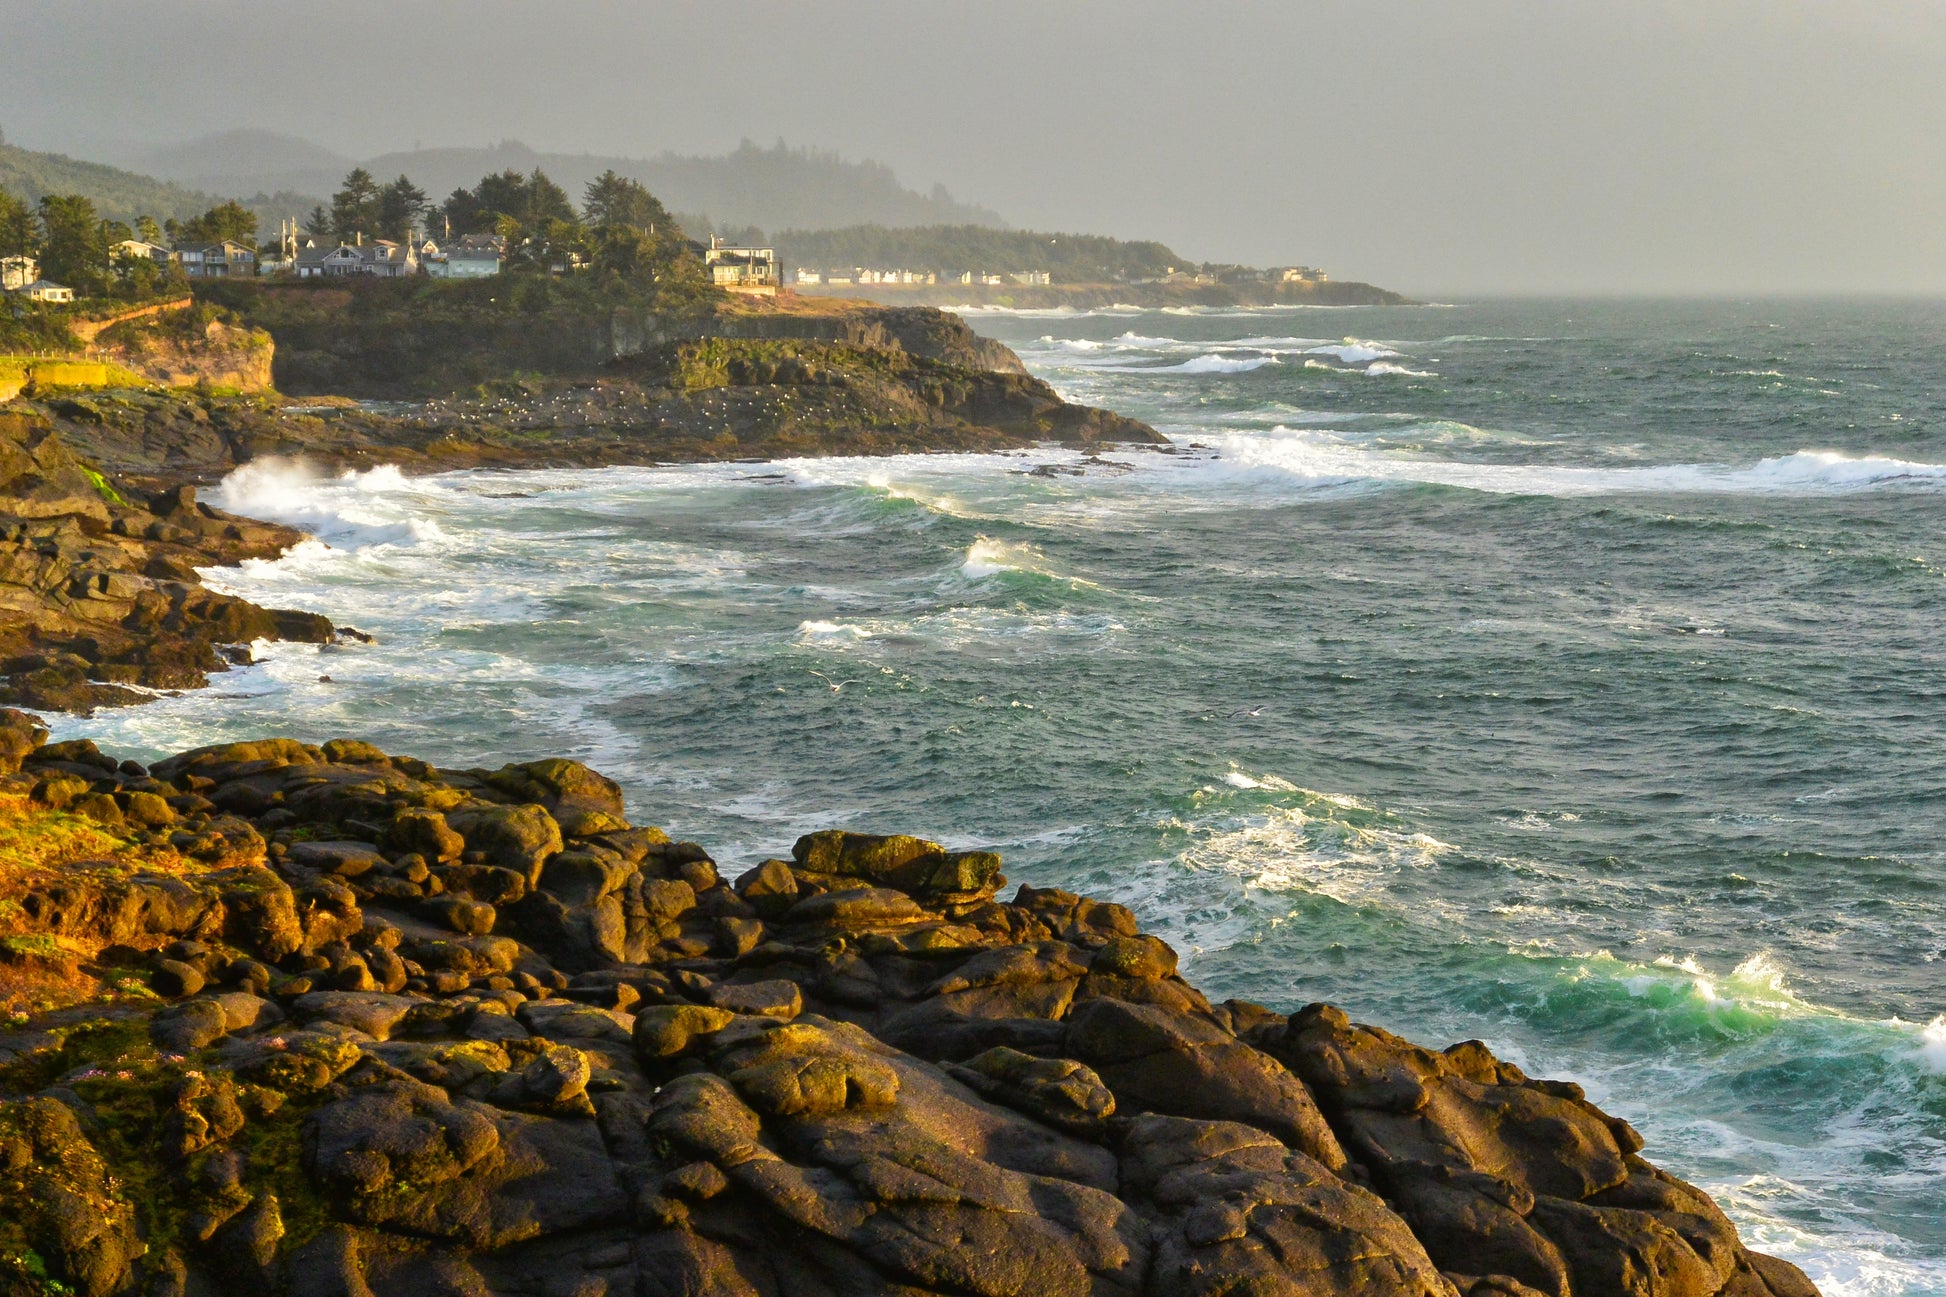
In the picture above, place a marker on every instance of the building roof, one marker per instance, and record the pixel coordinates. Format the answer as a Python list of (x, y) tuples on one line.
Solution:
[(40, 285)]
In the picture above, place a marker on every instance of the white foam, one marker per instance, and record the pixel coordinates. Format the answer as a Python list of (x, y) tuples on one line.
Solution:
[(1380, 367), (1932, 1046), (1314, 457), (1352, 351), (374, 507), (1214, 363), (827, 629), (987, 557)]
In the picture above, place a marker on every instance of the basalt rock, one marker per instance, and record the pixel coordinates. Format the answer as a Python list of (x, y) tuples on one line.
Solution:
[(100, 602), (275, 1046)]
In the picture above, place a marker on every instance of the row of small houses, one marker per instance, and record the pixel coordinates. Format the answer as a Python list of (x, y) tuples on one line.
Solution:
[(913, 278), (472, 256)]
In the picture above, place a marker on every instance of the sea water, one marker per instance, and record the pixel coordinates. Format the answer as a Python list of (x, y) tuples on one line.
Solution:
[(1564, 674)]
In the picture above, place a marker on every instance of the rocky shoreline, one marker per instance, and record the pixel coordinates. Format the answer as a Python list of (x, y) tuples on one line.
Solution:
[(100, 600), (318, 1020)]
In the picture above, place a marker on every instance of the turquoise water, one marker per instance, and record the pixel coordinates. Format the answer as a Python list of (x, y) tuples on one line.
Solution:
[(1567, 675)]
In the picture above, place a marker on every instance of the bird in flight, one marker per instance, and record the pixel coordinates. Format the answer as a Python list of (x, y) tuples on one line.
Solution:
[(1258, 710), (837, 686)]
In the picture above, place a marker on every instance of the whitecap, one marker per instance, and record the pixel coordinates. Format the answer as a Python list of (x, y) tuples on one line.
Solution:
[(826, 629), (1352, 351)]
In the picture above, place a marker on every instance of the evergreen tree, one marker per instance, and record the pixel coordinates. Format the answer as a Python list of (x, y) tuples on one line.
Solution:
[(400, 206), (532, 213), (612, 200), (148, 231), (229, 221), (318, 222), (354, 208), (19, 233), (73, 251)]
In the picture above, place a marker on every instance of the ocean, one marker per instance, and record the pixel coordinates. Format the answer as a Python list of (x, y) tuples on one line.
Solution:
[(1564, 674)]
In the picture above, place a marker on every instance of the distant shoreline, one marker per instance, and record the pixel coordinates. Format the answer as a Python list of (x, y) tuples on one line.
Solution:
[(1098, 296)]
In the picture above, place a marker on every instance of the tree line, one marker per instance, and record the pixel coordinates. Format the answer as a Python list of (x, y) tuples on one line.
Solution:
[(620, 227), (78, 249)]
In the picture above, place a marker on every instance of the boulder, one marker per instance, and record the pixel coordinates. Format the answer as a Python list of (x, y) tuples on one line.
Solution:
[(520, 838), (1163, 1062)]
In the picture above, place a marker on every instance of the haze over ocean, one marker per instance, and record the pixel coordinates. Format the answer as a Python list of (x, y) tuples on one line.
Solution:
[(1564, 673)]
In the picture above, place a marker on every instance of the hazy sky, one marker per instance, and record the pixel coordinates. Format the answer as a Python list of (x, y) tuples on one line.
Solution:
[(1444, 149)]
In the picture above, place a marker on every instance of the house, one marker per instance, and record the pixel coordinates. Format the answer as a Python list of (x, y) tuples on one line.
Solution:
[(804, 276), (1303, 275), (1030, 277), (980, 277), (473, 256), (226, 260), (136, 249), (741, 270), (381, 258), (908, 278), (42, 290), (18, 272)]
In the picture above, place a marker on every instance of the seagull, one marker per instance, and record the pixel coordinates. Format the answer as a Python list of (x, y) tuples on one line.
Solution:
[(836, 685), (1258, 710)]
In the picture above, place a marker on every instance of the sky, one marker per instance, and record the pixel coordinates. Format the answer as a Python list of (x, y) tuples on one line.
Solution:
[(1443, 149)]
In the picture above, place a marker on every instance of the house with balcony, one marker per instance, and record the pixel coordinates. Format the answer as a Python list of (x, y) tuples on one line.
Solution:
[(226, 260), (741, 270)]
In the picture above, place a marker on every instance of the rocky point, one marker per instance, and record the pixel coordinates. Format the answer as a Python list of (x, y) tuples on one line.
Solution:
[(318, 1020)]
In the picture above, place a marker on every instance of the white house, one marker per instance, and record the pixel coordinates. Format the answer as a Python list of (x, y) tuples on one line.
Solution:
[(804, 276), (137, 249), (42, 290), (741, 270), (18, 272)]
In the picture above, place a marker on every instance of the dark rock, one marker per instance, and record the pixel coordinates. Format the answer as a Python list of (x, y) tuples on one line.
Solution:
[(173, 978), (1158, 1061)]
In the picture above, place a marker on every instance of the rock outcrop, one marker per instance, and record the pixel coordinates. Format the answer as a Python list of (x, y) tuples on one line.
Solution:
[(320, 1020), (100, 600)]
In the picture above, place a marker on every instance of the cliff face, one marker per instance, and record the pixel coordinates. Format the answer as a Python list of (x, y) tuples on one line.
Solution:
[(380, 343), (304, 1020), (215, 353), (919, 331)]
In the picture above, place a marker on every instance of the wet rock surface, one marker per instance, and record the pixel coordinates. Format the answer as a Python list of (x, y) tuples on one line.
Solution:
[(344, 1023)]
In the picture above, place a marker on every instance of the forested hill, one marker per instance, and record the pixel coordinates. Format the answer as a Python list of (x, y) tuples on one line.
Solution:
[(951, 249), (125, 195), (774, 188)]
